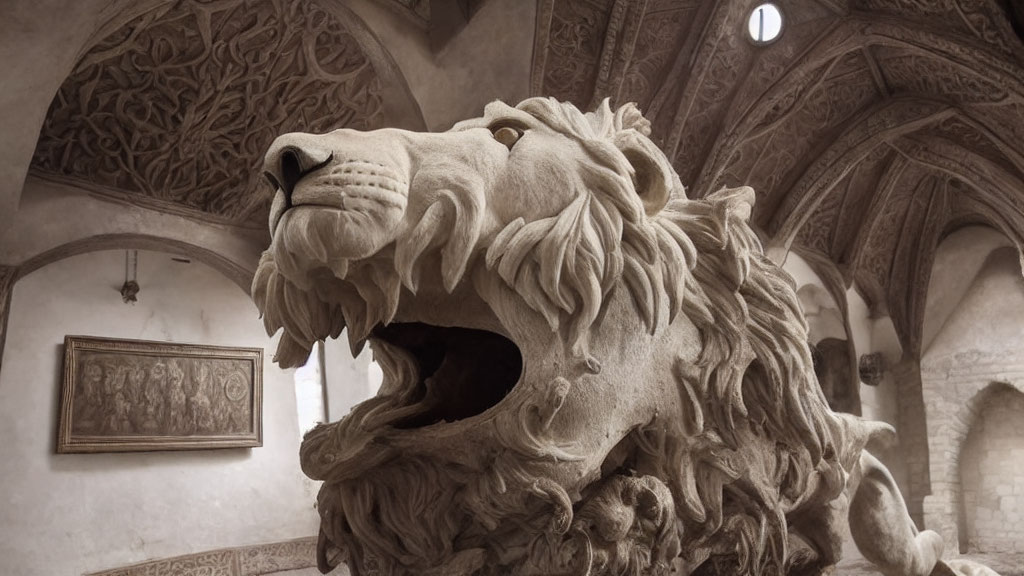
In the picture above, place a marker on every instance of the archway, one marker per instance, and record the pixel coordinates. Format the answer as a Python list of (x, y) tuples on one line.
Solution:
[(991, 499)]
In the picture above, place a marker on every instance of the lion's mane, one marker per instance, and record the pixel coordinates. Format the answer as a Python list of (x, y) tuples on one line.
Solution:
[(754, 383)]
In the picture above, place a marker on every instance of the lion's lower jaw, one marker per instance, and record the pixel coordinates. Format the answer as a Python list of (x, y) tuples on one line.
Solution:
[(416, 518)]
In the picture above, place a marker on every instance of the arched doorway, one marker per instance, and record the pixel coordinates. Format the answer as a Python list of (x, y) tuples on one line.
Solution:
[(991, 515)]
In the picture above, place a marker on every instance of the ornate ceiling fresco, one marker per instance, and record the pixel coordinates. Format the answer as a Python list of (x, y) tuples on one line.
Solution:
[(869, 129), (176, 108)]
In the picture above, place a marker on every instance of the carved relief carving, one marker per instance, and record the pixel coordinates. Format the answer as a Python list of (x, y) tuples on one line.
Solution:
[(125, 395), (890, 176), (874, 126), (217, 563), (660, 37), (180, 105), (245, 561), (856, 203), (913, 73), (575, 40), (971, 58), (973, 17), (806, 129), (817, 233), (721, 59), (877, 255)]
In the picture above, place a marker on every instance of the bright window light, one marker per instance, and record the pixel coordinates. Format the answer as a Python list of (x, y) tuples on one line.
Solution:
[(765, 23)]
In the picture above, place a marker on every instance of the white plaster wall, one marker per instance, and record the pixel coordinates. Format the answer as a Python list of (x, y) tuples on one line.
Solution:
[(990, 315), (346, 378), (958, 260), (75, 513)]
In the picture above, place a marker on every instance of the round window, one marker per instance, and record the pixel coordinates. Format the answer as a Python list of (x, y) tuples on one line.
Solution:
[(765, 23)]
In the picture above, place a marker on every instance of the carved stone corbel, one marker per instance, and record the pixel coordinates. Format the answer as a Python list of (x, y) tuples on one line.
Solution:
[(871, 368)]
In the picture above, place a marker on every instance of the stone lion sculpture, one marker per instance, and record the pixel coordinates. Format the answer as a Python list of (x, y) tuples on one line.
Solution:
[(586, 372)]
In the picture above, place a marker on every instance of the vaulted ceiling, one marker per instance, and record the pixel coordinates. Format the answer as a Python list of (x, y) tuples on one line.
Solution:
[(869, 129), (176, 107)]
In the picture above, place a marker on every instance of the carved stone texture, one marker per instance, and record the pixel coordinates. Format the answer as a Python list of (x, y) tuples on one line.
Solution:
[(913, 72), (871, 368), (180, 104), (720, 62), (885, 233), (855, 206), (967, 133), (979, 18), (661, 35), (217, 563), (277, 556), (575, 41), (585, 371), (245, 561), (811, 127)]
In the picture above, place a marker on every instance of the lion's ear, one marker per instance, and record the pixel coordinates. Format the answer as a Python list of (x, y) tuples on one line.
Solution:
[(653, 176)]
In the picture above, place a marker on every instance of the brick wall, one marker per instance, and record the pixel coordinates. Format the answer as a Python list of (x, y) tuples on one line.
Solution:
[(957, 389), (992, 475)]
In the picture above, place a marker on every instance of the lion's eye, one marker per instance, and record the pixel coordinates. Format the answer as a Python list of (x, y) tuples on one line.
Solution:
[(507, 135)]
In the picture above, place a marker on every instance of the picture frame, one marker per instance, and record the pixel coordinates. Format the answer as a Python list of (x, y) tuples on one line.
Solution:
[(120, 395)]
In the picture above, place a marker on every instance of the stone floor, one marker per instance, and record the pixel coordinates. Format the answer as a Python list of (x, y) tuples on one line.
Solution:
[(1004, 564)]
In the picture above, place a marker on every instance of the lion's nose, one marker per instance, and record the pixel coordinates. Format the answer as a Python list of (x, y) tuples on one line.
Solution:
[(285, 164)]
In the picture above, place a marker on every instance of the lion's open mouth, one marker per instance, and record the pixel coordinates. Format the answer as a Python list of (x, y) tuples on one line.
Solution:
[(459, 372)]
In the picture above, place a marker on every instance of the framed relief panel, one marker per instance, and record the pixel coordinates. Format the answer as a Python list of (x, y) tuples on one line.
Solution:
[(136, 395)]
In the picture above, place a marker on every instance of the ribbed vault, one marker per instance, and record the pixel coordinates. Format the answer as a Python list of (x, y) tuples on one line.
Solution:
[(869, 129)]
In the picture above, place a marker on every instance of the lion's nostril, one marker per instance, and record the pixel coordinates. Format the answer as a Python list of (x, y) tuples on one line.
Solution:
[(291, 171), (295, 163)]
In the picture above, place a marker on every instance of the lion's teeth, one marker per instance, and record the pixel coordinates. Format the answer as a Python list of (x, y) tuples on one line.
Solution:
[(337, 322), (340, 267), (356, 340)]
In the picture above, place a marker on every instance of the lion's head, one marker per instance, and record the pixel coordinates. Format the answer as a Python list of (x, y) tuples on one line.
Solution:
[(584, 369)]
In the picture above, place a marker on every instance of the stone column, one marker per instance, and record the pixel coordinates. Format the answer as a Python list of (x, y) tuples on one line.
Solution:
[(913, 435), (948, 423), (8, 275)]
